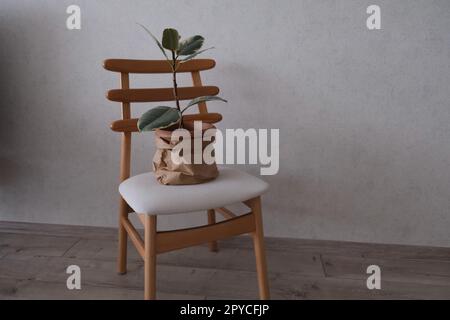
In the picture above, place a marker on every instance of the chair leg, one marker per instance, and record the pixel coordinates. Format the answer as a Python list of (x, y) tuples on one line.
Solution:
[(122, 257), (212, 220), (260, 252), (150, 257)]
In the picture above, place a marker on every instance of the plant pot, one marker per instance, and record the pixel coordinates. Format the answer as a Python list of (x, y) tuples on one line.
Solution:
[(169, 172)]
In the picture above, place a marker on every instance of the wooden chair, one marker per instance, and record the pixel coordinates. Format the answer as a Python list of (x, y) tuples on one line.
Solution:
[(143, 195)]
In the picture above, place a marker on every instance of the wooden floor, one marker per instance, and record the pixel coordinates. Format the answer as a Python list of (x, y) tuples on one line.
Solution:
[(34, 257)]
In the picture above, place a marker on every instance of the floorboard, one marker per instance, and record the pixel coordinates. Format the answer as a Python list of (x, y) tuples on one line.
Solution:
[(34, 259)]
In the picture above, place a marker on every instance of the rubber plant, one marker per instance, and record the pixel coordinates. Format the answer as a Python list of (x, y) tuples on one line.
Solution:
[(176, 52)]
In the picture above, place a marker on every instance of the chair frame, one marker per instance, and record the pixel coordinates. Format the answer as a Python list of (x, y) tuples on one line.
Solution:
[(156, 242)]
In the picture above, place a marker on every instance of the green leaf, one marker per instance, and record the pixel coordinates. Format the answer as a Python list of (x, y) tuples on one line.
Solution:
[(203, 99), (170, 39), (190, 46), (192, 56), (158, 118), (156, 40)]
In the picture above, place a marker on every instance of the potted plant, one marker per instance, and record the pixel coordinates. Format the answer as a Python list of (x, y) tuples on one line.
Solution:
[(164, 120)]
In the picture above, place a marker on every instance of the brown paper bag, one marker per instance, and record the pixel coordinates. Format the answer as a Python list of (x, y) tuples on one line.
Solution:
[(169, 173)]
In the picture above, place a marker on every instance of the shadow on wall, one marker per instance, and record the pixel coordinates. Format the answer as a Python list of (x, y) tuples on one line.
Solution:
[(12, 111), (41, 144)]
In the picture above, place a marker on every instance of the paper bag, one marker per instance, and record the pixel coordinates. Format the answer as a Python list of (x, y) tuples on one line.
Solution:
[(170, 173)]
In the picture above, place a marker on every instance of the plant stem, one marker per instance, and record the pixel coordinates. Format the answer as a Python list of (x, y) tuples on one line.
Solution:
[(175, 85)]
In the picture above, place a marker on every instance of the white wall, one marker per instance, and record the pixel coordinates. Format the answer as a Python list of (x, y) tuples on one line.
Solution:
[(364, 115)]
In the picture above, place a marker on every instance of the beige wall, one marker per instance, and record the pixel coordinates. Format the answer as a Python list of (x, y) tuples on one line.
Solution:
[(364, 115)]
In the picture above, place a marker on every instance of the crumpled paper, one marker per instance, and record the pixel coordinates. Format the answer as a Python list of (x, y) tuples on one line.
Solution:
[(169, 173)]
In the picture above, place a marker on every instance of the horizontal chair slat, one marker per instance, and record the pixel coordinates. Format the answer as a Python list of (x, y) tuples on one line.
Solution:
[(172, 240), (130, 125), (156, 66), (205, 117), (160, 94)]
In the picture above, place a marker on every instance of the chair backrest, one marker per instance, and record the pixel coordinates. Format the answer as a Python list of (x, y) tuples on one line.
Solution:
[(127, 95)]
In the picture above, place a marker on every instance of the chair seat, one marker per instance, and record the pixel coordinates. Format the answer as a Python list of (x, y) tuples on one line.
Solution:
[(146, 195)]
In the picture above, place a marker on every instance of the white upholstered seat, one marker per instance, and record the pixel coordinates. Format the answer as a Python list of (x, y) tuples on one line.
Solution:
[(145, 195)]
